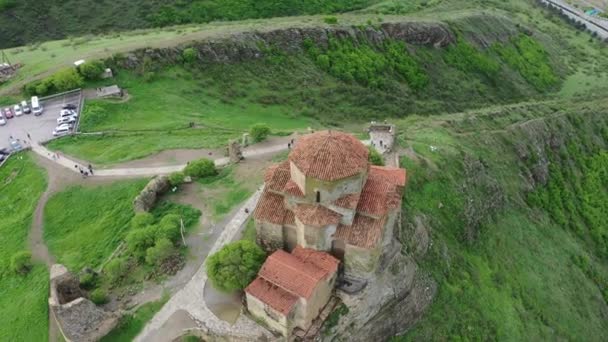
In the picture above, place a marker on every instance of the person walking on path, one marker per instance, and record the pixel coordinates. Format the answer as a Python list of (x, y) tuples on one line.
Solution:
[(91, 169), (28, 136)]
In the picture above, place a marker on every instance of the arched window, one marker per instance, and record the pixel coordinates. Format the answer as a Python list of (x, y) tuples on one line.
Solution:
[(318, 196)]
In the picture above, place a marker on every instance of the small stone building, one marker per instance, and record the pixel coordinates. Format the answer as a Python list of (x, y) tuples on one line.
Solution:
[(328, 197), (292, 288)]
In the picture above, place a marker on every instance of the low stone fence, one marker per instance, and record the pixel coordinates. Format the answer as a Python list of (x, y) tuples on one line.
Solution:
[(146, 199)]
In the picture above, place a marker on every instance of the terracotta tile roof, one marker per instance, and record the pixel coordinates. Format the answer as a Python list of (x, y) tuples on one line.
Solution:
[(277, 176), (293, 189), (316, 215), (296, 276), (365, 231), (290, 218), (394, 175), (320, 259), (270, 294), (378, 195), (329, 155), (270, 208), (349, 201)]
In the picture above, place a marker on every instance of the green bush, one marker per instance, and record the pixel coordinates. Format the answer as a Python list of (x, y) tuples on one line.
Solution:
[(235, 265), (375, 157), (67, 79), (330, 20), (92, 70), (21, 262), (116, 269), (259, 132), (200, 168), (142, 220), (465, 57), (88, 281), (162, 250), (169, 228), (99, 296), (139, 240), (189, 55), (176, 178)]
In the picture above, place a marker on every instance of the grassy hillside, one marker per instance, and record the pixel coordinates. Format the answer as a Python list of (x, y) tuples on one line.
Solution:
[(23, 300), (515, 201), (25, 22)]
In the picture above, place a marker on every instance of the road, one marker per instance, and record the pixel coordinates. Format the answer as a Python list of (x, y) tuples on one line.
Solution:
[(595, 25)]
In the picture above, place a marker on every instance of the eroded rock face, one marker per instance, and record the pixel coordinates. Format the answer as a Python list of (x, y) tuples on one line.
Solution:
[(246, 46)]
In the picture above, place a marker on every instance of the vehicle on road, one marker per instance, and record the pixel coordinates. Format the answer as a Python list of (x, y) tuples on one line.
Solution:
[(16, 146), (2, 120), (36, 106), (66, 119), (62, 130), (26, 108), (70, 106), (68, 112), (17, 109), (8, 113)]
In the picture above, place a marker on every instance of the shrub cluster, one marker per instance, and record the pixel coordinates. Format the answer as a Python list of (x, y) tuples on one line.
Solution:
[(259, 132), (66, 79), (375, 157), (465, 57), (234, 266), (200, 168)]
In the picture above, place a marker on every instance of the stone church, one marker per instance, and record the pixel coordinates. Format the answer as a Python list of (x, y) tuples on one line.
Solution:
[(324, 212)]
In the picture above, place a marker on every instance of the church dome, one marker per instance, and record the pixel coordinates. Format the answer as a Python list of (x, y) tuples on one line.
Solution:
[(329, 155)]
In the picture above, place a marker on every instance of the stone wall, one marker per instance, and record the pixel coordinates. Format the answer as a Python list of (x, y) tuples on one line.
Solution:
[(146, 199), (269, 236), (273, 319)]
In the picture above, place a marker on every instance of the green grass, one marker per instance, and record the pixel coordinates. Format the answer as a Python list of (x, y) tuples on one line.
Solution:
[(249, 233), (83, 225), (131, 324), (227, 191), (24, 298)]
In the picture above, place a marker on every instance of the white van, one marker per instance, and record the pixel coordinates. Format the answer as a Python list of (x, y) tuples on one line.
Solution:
[(36, 106), (25, 107), (62, 130)]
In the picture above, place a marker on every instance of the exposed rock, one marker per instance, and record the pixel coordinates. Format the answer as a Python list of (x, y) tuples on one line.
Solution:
[(234, 151), (246, 46), (147, 197)]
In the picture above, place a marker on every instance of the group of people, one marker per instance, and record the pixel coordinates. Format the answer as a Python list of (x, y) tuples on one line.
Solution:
[(85, 172)]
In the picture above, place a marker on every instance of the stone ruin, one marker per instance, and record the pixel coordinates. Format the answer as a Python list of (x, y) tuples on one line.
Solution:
[(78, 318), (382, 136), (7, 71), (154, 189), (234, 151)]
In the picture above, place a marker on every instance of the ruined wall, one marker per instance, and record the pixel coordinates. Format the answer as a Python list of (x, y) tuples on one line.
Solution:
[(154, 189)]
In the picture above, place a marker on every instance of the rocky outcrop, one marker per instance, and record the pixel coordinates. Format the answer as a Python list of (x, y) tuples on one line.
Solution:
[(147, 197), (77, 317), (246, 46)]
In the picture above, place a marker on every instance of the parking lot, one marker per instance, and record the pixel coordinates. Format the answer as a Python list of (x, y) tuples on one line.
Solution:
[(40, 127)]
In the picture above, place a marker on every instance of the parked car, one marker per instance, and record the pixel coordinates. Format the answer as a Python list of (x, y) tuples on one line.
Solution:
[(66, 119), (70, 106), (68, 112), (2, 120), (16, 146), (8, 113), (2, 157), (26, 108), (17, 109), (62, 130)]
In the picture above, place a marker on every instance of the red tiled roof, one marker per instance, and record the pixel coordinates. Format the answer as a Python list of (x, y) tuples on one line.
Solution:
[(299, 277), (316, 215), (290, 218), (329, 155), (378, 195), (394, 175), (320, 259), (348, 201), (270, 208), (277, 176), (278, 299), (365, 231), (293, 189)]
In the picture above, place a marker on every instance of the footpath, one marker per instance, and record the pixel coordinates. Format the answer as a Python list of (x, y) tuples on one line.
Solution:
[(191, 297)]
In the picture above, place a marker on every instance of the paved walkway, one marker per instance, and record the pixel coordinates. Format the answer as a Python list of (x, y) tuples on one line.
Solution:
[(191, 297), (146, 171)]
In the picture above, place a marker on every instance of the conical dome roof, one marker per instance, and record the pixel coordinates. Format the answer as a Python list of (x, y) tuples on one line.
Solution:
[(329, 155)]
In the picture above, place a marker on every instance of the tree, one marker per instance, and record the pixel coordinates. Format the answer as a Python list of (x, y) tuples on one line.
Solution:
[(92, 70), (139, 240), (259, 132), (375, 157), (99, 296), (189, 55), (163, 249), (235, 265), (200, 168), (169, 227), (67, 79), (141, 220), (21, 262), (116, 269)]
